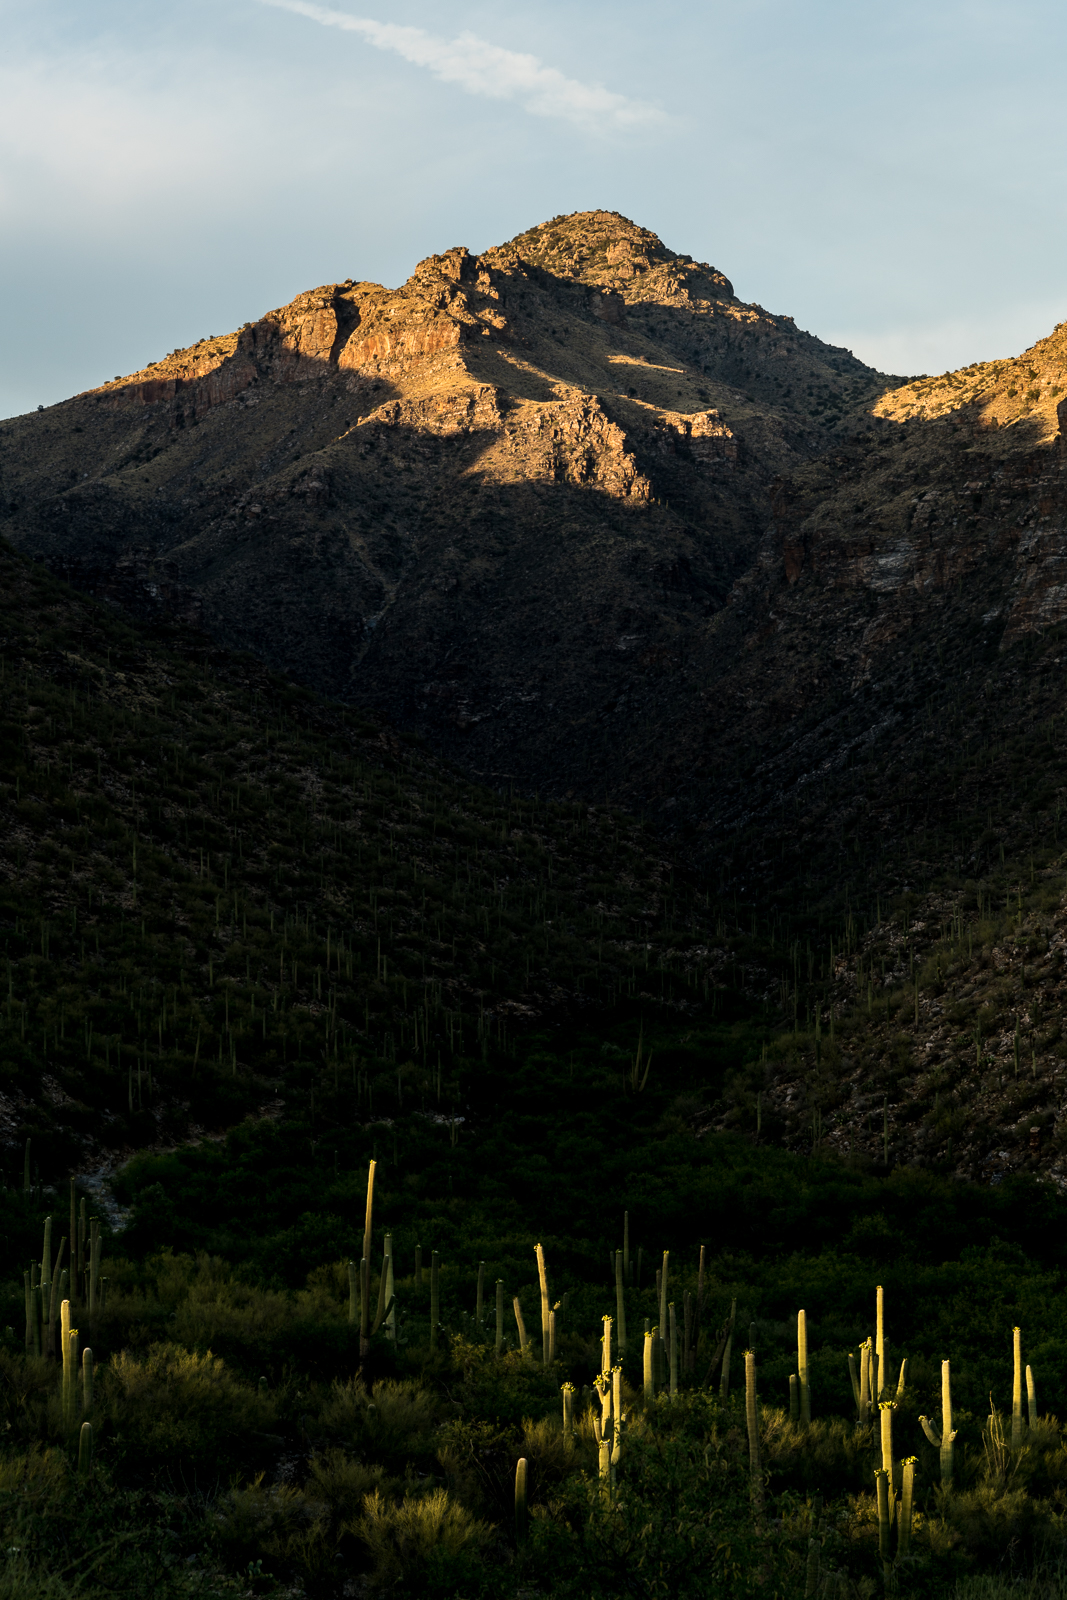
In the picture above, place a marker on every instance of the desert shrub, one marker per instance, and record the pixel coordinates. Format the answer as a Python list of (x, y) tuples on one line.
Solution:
[(427, 1542), (340, 1483), (179, 1413), (275, 1523), (829, 1455), (393, 1425)]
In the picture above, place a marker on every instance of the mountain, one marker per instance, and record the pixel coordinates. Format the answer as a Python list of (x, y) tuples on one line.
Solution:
[(502, 506), (588, 524)]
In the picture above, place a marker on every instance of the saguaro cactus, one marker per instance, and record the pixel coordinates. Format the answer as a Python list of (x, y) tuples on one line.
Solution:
[(520, 1324), (802, 1367), (1031, 1398), (85, 1450), (87, 1382), (542, 1275), (605, 1348), (755, 1473), (886, 1408), (47, 1340), (650, 1367), (945, 1440), (435, 1297), (674, 1351), (73, 1241), (907, 1495), (1017, 1390), (885, 1548), (520, 1500), (620, 1303), (66, 1350), (881, 1375), (567, 1392), (368, 1233), (663, 1307), (389, 1295), (94, 1266)]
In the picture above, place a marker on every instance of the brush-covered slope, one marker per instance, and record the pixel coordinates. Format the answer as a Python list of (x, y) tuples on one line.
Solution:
[(220, 894), (498, 504)]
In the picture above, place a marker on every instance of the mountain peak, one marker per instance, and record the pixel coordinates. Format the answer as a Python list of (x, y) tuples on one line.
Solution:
[(606, 250)]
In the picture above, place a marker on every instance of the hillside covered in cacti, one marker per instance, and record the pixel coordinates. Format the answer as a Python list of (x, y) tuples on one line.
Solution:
[(625, 1315)]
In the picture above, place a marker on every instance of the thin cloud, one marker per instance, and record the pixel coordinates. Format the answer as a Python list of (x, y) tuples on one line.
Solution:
[(482, 68)]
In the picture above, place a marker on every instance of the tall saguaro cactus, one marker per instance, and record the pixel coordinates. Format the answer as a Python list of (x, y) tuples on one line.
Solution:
[(1017, 1390), (620, 1303), (69, 1349), (802, 1367), (752, 1423), (663, 1308), (368, 1231), (94, 1266), (945, 1440), (542, 1274), (435, 1297)]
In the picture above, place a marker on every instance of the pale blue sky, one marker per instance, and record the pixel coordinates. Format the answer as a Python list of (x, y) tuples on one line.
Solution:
[(892, 175)]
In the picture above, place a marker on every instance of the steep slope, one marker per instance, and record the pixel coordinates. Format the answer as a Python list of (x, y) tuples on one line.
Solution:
[(903, 599), (221, 895), (498, 505)]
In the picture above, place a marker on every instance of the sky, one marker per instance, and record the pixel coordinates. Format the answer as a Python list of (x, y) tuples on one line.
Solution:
[(890, 175)]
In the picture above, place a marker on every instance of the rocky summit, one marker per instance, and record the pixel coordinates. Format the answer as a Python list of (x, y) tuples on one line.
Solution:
[(504, 505)]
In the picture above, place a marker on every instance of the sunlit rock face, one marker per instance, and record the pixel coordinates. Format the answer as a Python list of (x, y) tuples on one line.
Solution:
[(569, 509)]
